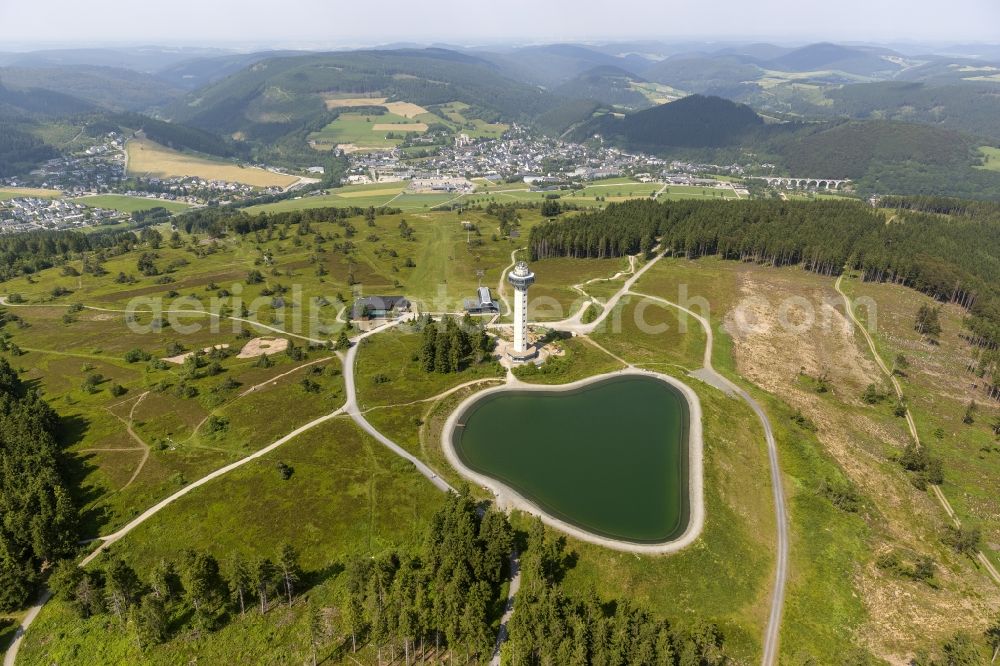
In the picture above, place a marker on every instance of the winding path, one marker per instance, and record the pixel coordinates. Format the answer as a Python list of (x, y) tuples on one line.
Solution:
[(12, 650), (351, 409), (938, 493), (575, 324), (709, 375), (138, 440), (201, 313)]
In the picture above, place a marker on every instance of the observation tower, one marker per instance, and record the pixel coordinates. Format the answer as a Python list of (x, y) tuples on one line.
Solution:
[(521, 278)]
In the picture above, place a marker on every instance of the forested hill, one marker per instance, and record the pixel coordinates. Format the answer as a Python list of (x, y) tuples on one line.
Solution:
[(696, 121), (279, 95), (879, 155), (175, 135), (34, 102), (606, 84), (851, 149), (20, 151), (952, 258)]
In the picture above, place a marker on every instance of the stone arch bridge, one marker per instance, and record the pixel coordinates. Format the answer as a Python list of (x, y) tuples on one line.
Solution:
[(805, 183)]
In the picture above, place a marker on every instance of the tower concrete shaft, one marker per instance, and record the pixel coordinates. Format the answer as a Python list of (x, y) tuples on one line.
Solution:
[(521, 278)]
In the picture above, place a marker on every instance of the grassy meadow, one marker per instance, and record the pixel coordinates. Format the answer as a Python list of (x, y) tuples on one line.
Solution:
[(991, 158), (366, 131), (130, 204)]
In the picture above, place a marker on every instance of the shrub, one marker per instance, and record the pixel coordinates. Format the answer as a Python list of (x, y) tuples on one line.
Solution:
[(91, 381), (216, 424), (803, 421), (963, 539), (136, 355), (842, 494), (873, 395)]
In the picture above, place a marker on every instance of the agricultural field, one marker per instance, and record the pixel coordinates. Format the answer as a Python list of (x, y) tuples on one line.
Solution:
[(357, 132), (991, 158), (657, 93), (130, 204), (361, 132), (149, 159), (404, 109), (7, 193), (395, 195), (458, 113)]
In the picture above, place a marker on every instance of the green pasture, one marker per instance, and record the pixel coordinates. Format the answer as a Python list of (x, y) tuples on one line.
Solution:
[(991, 158), (130, 204), (358, 129)]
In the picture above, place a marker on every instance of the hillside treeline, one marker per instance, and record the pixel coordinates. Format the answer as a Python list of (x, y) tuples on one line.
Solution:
[(33, 251), (953, 259), (941, 205), (175, 135), (445, 593), (551, 627), (219, 221), (966, 106), (38, 516), (822, 235), (20, 152), (30, 252)]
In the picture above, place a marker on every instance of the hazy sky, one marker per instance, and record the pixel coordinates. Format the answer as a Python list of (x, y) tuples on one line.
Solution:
[(335, 23)]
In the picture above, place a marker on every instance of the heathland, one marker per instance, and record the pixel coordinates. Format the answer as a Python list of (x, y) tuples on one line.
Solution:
[(875, 573)]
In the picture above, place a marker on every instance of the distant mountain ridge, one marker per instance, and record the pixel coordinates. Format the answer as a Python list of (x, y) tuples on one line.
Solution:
[(108, 87)]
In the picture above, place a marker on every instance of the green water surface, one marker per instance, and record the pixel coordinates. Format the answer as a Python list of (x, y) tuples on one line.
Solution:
[(610, 457)]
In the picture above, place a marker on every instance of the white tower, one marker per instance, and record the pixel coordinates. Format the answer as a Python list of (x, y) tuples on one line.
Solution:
[(521, 278)]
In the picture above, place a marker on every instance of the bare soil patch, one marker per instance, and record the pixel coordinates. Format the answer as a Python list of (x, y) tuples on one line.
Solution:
[(405, 109), (260, 346), (350, 102), (785, 326), (180, 358)]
